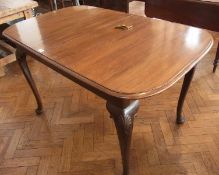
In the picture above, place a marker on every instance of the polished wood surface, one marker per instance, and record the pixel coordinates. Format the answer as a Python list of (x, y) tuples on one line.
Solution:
[(121, 110), (197, 13), (120, 63), (97, 72), (75, 135)]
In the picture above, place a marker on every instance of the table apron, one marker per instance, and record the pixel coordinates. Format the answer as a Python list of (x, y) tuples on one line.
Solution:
[(67, 73)]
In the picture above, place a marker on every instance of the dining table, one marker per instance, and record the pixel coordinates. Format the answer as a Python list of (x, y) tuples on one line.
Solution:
[(120, 57)]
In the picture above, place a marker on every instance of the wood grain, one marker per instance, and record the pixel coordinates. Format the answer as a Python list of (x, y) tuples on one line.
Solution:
[(201, 14), (75, 136), (81, 134), (131, 64)]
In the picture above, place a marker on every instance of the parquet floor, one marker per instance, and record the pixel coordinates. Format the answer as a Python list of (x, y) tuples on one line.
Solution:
[(75, 135)]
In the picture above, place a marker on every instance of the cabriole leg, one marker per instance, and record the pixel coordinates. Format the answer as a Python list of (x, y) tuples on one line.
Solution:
[(123, 115), (21, 59), (185, 87)]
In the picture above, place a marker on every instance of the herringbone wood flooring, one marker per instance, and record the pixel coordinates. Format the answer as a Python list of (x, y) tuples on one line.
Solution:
[(75, 135)]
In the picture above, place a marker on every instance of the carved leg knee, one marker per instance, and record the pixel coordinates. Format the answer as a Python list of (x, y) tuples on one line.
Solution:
[(123, 117)]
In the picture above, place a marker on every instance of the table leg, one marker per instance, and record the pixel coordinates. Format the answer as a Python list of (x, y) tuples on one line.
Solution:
[(185, 87), (21, 59), (216, 59), (123, 115)]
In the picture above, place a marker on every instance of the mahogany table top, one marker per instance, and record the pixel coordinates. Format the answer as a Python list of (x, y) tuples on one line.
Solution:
[(132, 64)]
